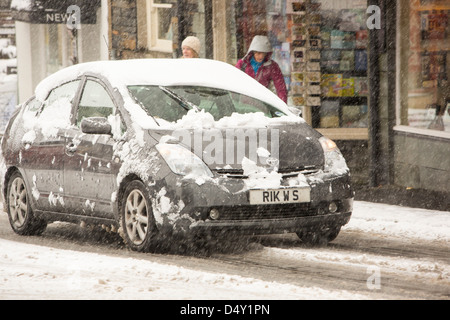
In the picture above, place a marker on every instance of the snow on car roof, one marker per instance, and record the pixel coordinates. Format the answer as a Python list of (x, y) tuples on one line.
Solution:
[(166, 72)]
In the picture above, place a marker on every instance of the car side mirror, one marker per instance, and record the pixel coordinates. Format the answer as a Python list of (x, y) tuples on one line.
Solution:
[(95, 125)]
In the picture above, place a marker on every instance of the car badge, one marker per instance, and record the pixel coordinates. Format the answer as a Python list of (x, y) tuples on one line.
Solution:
[(273, 162)]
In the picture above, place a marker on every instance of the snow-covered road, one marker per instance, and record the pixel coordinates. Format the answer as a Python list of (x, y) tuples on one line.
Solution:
[(385, 252)]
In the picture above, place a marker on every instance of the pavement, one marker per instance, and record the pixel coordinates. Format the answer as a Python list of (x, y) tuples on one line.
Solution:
[(406, 197)]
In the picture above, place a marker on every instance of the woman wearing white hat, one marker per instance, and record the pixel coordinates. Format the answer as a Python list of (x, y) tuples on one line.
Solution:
[(191, 47)]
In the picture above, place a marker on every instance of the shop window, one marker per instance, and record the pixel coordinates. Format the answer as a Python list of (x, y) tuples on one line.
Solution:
[(251, 20), (52, 49), (159, 22), (61, 47), (322, 51), (425, 64)]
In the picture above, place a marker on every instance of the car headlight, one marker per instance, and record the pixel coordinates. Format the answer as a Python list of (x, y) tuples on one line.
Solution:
[(334, 161), (182, 161)]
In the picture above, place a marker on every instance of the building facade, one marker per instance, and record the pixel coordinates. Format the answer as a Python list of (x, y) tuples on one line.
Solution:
[(48, 39), (421, 134), (370, 74), (7, 26)]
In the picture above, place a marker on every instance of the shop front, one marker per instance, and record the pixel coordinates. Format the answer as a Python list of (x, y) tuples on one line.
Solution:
[(322, 49), (422, 133), (425, 69), (375, 81), (55, 34), (378, 87)]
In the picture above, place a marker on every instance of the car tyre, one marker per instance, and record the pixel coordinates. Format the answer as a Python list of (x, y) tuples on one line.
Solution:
[(319, 237), (21, 216), (137, 220)]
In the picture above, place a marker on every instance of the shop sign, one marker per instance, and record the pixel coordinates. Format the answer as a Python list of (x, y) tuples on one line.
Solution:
[(70, 12)]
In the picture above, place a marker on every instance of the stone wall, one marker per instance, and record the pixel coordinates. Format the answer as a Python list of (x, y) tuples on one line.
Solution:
[(123, 28)]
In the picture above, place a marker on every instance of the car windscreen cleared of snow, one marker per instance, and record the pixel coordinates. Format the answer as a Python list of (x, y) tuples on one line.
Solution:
[(172, 103)]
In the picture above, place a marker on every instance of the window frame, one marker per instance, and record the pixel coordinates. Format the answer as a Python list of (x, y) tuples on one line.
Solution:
[(85, 83), (153, 40), (79, 97)]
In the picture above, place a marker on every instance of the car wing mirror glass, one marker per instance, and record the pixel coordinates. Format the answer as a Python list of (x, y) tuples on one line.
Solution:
[(96, 125)]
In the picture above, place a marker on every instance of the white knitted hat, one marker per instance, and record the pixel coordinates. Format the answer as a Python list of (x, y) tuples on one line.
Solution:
[(193, 43)]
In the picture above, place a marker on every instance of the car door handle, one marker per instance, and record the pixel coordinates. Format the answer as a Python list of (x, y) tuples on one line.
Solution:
[(71, 148)]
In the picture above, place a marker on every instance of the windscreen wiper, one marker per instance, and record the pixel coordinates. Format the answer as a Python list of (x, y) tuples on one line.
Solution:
[(187, 105), (145, 109)]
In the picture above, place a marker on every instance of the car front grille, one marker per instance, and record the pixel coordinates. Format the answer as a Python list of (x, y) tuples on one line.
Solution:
[(286, 173), (262, 212)]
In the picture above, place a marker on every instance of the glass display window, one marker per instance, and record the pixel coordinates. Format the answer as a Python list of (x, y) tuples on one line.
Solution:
[(321, 47), (424, 71), (329, 44)]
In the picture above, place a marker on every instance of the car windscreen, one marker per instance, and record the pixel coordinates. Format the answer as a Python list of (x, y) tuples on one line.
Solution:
[(172, 103)]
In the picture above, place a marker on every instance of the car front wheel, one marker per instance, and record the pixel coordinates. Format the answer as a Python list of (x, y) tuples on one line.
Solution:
[(137, 221), (20, 215)]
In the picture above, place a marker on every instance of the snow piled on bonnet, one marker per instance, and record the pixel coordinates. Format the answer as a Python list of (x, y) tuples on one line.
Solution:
[(200, 119)]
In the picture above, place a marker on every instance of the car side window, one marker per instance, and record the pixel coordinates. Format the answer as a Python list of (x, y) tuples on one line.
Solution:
[(57, 108), (63, 94), (33, 106), (96, 102)]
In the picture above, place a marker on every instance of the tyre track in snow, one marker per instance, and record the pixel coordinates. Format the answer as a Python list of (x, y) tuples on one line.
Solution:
[(344, 265)]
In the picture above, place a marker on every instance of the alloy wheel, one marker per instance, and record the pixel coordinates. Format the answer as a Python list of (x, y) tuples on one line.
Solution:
[(136, 217), (18, 202)]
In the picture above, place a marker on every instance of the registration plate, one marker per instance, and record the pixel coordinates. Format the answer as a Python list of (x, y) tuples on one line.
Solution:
[(284, 195)]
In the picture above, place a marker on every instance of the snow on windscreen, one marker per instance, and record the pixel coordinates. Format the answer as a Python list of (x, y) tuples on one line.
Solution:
[(169, 73), (200, 119)]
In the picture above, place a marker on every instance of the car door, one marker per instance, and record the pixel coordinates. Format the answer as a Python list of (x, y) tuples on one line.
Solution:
[(88, 161), (42, 155)]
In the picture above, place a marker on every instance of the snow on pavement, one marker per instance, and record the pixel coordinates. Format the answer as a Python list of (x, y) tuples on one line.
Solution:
[(399, 221), (36, 272)]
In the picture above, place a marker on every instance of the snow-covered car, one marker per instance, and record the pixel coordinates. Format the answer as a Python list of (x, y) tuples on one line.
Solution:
[(7, 50), (156, 148)]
